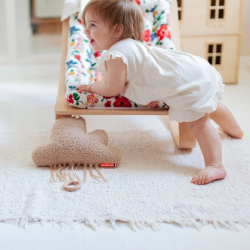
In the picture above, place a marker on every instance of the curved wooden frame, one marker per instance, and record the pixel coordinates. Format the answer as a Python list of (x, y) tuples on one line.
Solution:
[(182, 134)]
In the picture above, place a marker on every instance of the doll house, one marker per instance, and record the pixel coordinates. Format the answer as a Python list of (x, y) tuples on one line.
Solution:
[(212, 29)]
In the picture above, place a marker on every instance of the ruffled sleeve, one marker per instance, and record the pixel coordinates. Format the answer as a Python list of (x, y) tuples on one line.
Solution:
[(106, 56)]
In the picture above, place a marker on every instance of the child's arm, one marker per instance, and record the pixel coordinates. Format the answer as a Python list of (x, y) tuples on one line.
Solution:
[(114, 82)]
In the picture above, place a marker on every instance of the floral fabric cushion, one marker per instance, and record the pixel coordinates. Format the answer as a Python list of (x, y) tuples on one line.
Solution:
[(81, 58), (156, 23)]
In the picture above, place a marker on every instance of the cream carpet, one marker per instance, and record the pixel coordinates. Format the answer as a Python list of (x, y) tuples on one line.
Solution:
[(151, 185)]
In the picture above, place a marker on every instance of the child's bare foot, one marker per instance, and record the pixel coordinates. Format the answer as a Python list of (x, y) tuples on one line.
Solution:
[(236, 133), (208, 174)]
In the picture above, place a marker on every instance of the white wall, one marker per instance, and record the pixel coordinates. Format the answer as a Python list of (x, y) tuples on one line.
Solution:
[(48, 8), (245, 38), (22, 14), (2, 15)]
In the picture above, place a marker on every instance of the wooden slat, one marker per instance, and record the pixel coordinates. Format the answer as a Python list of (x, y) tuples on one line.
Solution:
[(182, 135), (61, 106), (106, 111)]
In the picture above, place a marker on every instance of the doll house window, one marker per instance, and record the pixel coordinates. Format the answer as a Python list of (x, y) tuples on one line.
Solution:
[(214, 54), (217, 9), (179, 9)]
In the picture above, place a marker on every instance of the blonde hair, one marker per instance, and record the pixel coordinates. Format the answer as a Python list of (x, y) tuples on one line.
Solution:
[(125, 12)]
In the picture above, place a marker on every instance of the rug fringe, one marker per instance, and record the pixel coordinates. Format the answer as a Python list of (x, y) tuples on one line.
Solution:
[(135, 225), (62, 172)]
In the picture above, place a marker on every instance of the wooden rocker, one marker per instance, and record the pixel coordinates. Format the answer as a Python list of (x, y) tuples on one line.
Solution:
[(182, 135)]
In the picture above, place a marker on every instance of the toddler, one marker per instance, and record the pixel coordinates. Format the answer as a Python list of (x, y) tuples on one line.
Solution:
[(188, 84)]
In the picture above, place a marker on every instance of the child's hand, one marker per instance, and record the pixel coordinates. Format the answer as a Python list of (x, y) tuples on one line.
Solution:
[(84, 88)]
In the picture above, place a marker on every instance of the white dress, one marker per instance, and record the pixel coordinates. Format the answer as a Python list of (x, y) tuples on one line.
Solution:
[(188, 84)]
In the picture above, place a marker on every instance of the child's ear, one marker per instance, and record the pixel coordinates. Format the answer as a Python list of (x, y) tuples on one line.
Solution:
[(118, 30)]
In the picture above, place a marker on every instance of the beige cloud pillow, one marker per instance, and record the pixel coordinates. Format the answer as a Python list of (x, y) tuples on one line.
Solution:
[(69, 143)]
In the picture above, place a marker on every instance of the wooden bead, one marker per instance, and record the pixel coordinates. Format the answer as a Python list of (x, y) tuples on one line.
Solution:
[(72, 185)]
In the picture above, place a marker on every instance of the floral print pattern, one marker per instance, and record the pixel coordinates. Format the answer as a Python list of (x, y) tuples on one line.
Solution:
[(163, 32), (81, 58), (156, 23)]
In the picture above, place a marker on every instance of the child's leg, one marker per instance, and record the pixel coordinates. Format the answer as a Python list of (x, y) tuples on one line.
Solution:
[(224, 118), (210, 144)]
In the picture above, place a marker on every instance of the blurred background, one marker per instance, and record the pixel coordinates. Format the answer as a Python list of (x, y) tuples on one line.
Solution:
[(34, 29)]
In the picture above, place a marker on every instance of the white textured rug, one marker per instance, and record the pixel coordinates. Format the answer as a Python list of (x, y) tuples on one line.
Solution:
[(151, 185)]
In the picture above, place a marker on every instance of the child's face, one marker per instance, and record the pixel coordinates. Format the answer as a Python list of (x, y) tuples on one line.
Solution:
[(100, 35)]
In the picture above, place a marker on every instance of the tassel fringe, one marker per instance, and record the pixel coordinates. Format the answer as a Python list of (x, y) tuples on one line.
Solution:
[(67, 172), (134, 224)]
